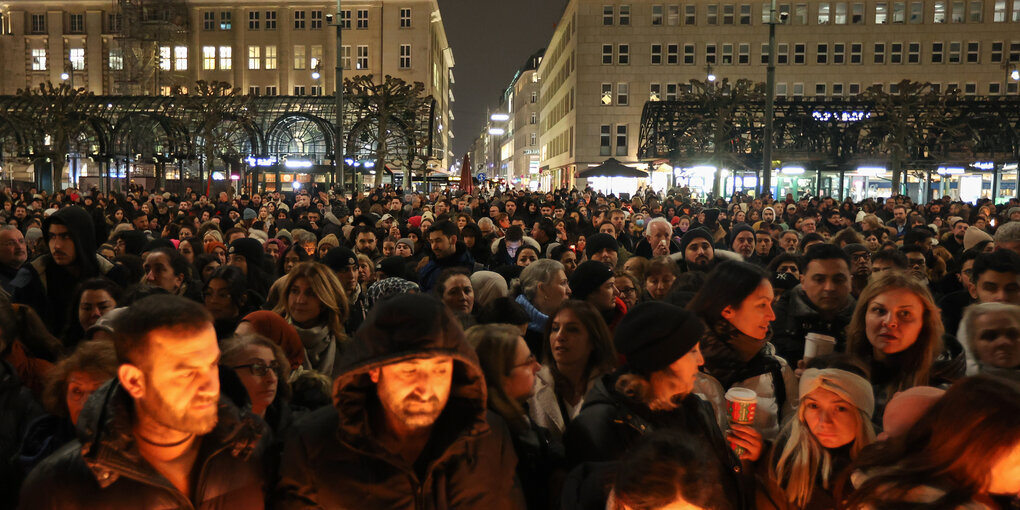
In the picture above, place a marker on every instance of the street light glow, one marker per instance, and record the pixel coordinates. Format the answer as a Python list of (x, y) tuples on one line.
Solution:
[(64, 76), (1015, 74), (499, 117), (315, 75), (495, 131), (711, 77)]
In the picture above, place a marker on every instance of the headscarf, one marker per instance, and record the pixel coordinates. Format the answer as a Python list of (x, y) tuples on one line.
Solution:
[(389, 287), (849, 386), (488, 286)]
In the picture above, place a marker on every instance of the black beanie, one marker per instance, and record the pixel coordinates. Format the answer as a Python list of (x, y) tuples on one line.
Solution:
[(588, 277), (339, 258), (250, 249), (737, 229), (693, 234), (599, 242), (654, 334)]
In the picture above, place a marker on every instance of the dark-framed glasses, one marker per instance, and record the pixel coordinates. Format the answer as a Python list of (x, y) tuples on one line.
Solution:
[(261, 368)]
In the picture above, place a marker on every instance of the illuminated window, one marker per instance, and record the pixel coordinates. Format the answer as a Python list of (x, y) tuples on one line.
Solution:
[(181, 58), (38, 59), (270, 57), (77, 57), (208, 58), (116, 59), (938, 14), (299, 57), (881, 13), (345, 60), (226, 58), (225, 20), (254, 57), (823, 13), (164, 58)]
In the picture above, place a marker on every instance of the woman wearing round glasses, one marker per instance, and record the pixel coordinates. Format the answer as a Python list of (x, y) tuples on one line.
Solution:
[(263, 369)]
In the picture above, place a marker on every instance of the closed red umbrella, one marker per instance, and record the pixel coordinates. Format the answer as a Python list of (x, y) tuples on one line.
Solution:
[(466, 184)]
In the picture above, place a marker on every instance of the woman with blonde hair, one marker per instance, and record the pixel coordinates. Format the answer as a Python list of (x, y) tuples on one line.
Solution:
[(314, 302), (815, 447), (896, 330)]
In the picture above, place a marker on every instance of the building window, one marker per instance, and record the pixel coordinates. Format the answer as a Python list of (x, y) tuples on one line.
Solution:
[(671, 92), (534, 95), (345, 57), (916, 12), (1016, 11), (656, 15), (745, 14), (783, 53), (820, 90), (607, 94), (316, 56), (225, 23), (800, 14), (405, 17), (38, 59), (77, 23), (799, 51), (316, 90), (654, 91), (253, 91), (914, 53), (855, 88), (673, 15), (997, 52), (879, 53), (77, 58), (299, 90), (837, 90), (840, 14), (608, 14), (823, 13), (899, 14), (270, 23), (345, 20), (994, 89), (362, 62), (116, 59), (822, 53), (605, 140), (226, 58), (316, 20), (954, 52), (710, 54), (253, 21), (973, 52), (672, 53), (607, 54), (656, 54), (712, 15), (728, 12), (362, 19), (624, 15), (270, 90), (970, 89), (839, 53), (405, 56), (209, 20), (622, 94), (781, 90), (856, 53), (858, 14), (623, 54), (621, 140), (254, 57), (533, 139), (181, 58), (937, 52), (270, 57), (299, 20), (958, 13), (208, 58), (744, 53), (689, 51), (881, 13), (1014, 51), (938, 13), (299, 57), (976, 8), (113, 23), (896, 53), (690, 14), (533, 119), (798, 90), (764, 54)]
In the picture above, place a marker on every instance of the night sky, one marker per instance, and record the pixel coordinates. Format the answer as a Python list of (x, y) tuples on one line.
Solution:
[(491, 40)]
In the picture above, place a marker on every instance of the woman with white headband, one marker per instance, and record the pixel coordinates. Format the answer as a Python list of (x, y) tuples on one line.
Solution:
[(832, 425)]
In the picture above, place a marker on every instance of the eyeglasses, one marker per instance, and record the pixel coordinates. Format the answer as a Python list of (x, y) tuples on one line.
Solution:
[(527, 362), (861, 256), (260, 368), (627, 290)]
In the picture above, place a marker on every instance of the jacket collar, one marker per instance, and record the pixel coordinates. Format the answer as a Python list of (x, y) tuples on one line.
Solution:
[(108, 443)]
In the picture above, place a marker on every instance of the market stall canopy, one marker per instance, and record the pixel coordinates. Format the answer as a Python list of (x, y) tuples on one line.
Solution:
[(611, 168)]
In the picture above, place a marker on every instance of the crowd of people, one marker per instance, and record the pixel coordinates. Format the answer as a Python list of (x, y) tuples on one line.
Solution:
[(507, 349)]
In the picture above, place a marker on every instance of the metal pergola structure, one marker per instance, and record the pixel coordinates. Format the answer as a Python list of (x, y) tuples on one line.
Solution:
[(834, 134), (118, 131)]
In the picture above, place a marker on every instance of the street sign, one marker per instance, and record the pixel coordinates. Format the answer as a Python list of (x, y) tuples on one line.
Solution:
[(481, 176)]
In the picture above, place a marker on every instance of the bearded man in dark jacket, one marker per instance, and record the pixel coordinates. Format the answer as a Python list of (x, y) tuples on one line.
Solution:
[(447, 252), (47, 283), (409, 427), (158, 435)]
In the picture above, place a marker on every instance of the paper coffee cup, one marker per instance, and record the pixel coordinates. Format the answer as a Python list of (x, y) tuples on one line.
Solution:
[(741, 404), (816, 344)]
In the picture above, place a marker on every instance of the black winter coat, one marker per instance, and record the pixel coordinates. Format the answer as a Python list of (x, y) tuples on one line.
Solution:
[(103, 469), (17, 410), (610, 424), (796, 316), (334, 458)]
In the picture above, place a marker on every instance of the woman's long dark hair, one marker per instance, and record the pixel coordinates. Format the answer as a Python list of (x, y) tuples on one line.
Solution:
[(72, 331), (953, 447), (603, 356), (728, 284), (302, 255)]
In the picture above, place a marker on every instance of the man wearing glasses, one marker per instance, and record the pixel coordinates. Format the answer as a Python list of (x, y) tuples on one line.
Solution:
[(860, 267)]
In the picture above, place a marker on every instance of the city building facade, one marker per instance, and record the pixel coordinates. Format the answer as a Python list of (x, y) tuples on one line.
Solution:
[(264, 48), (606, 58)]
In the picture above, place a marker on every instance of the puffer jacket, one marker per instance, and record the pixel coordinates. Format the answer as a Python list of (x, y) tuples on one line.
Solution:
[(103, 468), (796, 316), (334, 458), (610, 423), (766, 373)]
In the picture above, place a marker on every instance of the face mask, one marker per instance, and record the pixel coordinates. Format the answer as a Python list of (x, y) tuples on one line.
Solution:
[(640, 223)]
